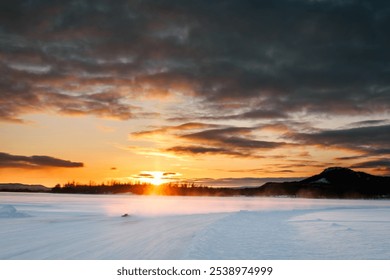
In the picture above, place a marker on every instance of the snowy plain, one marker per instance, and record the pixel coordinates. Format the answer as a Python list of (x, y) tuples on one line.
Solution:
[(68, 226)]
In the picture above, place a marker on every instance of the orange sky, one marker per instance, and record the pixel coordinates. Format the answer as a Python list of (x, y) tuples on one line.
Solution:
[(222, 94), (123, 150)]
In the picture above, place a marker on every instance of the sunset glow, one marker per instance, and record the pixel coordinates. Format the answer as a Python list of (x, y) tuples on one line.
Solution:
[(154, 178), (225, 93), (157, 179)]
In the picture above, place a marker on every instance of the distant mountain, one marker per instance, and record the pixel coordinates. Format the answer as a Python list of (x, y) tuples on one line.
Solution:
[(333, 182), (14, 187)]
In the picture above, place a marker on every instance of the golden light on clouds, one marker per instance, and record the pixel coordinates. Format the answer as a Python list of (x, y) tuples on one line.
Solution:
[(178, 97), (156, 178)]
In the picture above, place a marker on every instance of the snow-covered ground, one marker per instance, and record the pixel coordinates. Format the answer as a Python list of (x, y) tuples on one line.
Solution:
[(61, 226)]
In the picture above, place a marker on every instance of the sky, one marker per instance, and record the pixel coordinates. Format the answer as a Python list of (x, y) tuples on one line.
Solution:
[(232, 92)]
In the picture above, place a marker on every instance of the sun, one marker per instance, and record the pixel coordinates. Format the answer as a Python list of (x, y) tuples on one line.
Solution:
[(157, 178)]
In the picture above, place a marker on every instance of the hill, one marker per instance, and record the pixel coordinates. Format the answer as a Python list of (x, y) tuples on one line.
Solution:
[(15, 187), (334, 182)]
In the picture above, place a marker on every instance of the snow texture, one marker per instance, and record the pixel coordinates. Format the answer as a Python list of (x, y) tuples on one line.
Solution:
[(322, 181), (62, 226), (8, 211)]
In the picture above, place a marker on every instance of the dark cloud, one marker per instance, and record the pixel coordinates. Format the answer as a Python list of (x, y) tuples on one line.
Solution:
[(10, 161), (373, 163), (381, 151), (368, 123), (212, 139), (199, 150), (176, 129), (351, 157), (232, 138), (381, 165), (264, 59), (368, 152), (261, 114), (30, 96), (152, 175), (366, 142), (369, 139), (258, 114), (170, 174), (144, 175)]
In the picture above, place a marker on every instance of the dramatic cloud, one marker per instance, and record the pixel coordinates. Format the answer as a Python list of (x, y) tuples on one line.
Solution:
[(368, 123), (196, 150), (248, 59), (211, 139), (369, 139), (370, 145), (176, 129), (375, 163), (253, 69), (381, 165), (233, 139), (10, 161)]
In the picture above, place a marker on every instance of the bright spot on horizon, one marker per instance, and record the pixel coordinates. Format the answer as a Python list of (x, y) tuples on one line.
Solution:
[(155, 178)]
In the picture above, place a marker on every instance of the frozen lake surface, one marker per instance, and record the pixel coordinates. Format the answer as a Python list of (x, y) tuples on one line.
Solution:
[(68, 226)]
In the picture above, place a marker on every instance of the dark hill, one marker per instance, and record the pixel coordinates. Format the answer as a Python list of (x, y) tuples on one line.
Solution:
[(334, 182), (15, 187)]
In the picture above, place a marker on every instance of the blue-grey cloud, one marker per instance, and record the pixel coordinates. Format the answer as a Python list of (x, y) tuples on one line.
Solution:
[(381, 165), (213, 139), (373, 163), (202, 150), (368, 138), (18, 161)]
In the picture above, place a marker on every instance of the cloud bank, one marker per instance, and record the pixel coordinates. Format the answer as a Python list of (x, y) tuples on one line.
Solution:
[(251, 60), (17, 161)]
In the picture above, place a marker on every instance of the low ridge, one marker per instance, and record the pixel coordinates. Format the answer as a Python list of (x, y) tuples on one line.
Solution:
[(334, 182)]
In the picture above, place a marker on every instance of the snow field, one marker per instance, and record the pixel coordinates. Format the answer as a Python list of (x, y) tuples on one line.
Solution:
[(58, 226)]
